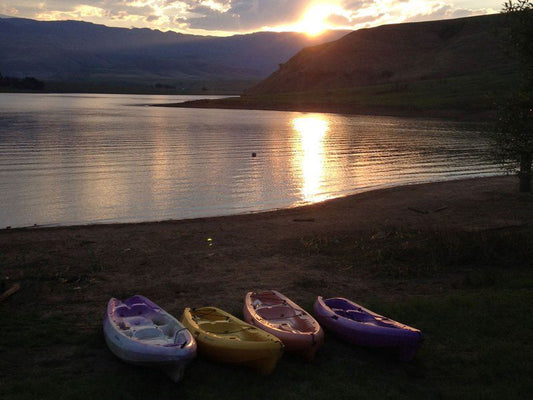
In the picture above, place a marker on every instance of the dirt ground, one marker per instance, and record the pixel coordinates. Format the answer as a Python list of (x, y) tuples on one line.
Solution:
[(215, 261)]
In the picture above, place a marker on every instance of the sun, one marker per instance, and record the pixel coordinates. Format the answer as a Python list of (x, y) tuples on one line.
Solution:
[(313, 22)]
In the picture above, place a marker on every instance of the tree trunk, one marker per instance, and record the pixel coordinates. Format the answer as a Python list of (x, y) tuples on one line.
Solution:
[(525, 172)]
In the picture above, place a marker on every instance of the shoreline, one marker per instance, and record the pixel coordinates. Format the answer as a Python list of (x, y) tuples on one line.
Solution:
[(233, 101), (89, 263), (462, 204), (268, 211), (243, 103), (79, 267)]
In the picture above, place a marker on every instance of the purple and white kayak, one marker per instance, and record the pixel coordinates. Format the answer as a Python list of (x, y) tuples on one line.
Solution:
[(362, 327), (140, 332)]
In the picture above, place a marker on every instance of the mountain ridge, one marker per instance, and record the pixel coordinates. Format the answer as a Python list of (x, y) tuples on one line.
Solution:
[(83, 51)]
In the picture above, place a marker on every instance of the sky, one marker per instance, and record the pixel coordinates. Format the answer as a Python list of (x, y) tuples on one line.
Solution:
[(228, 17)]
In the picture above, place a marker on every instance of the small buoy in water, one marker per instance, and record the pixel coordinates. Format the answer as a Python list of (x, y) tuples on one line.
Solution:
[(254, 154)]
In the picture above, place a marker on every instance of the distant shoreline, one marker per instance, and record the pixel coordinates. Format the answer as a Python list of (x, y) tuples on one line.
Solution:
[(232, 101), (127, 91), (245, 103)]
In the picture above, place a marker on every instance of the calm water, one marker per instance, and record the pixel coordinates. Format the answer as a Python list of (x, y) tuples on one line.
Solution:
[(76, 159)]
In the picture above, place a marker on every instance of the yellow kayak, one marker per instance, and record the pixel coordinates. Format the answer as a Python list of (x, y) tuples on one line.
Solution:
[(224, 338)]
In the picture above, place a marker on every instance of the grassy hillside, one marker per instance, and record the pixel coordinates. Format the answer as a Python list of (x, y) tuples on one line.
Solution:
[(442, 68), (395, 54)]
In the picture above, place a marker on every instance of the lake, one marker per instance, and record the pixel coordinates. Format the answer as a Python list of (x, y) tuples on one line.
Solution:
[(86, 158)]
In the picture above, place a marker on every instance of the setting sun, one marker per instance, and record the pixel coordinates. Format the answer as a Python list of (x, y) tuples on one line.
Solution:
[(313, 22)]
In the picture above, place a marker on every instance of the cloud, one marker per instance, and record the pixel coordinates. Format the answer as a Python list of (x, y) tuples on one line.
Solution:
[(242, 15), (337, 20), (233, 16), (152, 18), (8, 10), (356, 4), (445, 11), (367, 13), (107, 12), (80, 12)]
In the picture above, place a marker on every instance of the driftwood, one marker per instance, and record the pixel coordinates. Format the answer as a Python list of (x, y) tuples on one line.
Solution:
[(9, 292)]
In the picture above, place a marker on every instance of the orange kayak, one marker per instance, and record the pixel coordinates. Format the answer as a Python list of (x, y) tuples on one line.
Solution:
[(278, 315)]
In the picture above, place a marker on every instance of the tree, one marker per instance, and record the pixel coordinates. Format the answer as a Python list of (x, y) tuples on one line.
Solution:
[(513, 137)]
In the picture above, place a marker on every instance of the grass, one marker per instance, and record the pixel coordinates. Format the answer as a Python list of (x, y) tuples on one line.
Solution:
[(477, 328), (462, 95), (416, 254)]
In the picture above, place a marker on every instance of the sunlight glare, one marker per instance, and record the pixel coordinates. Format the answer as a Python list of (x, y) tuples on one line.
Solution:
[(313, 22), (312, 130)]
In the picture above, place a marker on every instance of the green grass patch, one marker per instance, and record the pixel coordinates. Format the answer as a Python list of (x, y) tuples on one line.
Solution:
[(478, 344), (398, 254), (477, 329)]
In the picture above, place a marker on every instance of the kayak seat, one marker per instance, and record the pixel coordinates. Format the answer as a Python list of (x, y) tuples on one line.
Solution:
[(148, 333), (354, 315), (286, 318), (341, 312), (164, 323), (121, 309), (297, 325), (154, 336), (304, 324), (160, 319), (220, 327), (274, 312), (266, 299), (162, 334), (168, 330), (137, 322), (136, 309), (359, 316), (287, 327)]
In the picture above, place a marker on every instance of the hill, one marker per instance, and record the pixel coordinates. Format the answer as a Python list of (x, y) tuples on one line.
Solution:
[(394, 53), (82, 52), (438, 67)]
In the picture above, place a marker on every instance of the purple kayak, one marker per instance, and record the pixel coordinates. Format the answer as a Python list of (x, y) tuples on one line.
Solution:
[(139, 332), (362, 327)]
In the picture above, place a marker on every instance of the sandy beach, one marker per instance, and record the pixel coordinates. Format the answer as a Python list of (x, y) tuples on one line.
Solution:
[(69, 273)]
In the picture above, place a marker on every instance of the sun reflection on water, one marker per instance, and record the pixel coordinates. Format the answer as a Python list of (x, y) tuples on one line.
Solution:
[(310, 155)]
